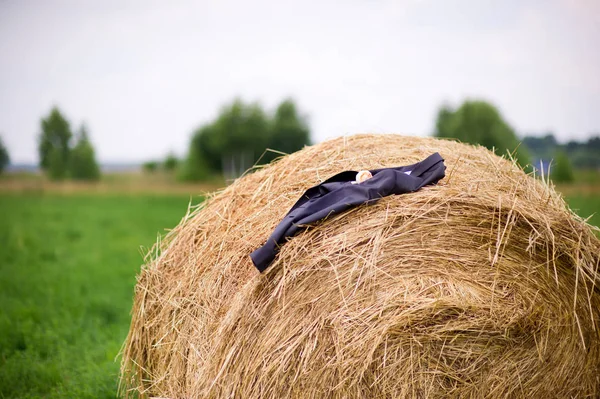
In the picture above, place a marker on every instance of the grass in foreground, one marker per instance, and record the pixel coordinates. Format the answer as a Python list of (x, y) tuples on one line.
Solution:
[(67, 271)]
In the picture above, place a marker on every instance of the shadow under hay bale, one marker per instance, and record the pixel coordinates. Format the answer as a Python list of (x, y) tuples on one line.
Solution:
[(484, 285)]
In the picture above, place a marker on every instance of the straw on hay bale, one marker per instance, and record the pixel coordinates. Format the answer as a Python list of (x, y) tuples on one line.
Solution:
[(482, 286)]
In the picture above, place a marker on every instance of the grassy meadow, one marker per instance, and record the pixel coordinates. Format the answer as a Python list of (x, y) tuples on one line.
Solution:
[(68, 261), (67, 271)]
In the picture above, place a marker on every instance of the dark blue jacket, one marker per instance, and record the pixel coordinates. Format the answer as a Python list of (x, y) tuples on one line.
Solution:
[(338, 194)]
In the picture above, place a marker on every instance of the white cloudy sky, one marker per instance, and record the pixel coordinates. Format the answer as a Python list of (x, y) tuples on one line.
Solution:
[(143, 74)]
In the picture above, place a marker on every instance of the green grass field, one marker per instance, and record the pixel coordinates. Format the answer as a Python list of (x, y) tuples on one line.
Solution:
[(67, 272)]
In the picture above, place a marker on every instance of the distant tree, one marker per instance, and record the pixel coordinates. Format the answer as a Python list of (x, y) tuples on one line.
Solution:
[(171, 162), (239, 136), (561, 171), (573, 146), (194, 167), (4, 158), (150, 166), (289, 131), (58, 168), (585, 155), (444, 121), (203, 157), (54, 144), (232, 143), (581, 154), (594, 143), (83, 165), (479, 122), (541, 147)]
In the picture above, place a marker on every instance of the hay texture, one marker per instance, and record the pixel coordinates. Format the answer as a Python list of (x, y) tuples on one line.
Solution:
[(482, 286)]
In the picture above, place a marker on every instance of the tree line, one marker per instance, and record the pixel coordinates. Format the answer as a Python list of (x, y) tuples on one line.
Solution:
[(245, 134), (242, 135), (583, 155), (479, 122)]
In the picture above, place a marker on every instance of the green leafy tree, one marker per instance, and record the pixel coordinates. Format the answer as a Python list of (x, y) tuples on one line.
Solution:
[(206, 148), (479, 122), (150, 166), (83, 165), (289, 131), (444, 122), (58, 167), (171, 162), (54, 144), (4, 158), (203, 157), (231, 144), (194, 166), (561, 171), (239, 136)]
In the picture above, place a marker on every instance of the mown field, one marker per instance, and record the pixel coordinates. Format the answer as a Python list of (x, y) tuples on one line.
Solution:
[(67, 272)]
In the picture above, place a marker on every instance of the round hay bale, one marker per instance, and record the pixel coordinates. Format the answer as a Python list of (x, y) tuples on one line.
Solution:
[(485, 285)]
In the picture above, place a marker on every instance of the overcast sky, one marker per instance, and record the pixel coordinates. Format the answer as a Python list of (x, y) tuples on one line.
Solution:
[(143, 74)]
